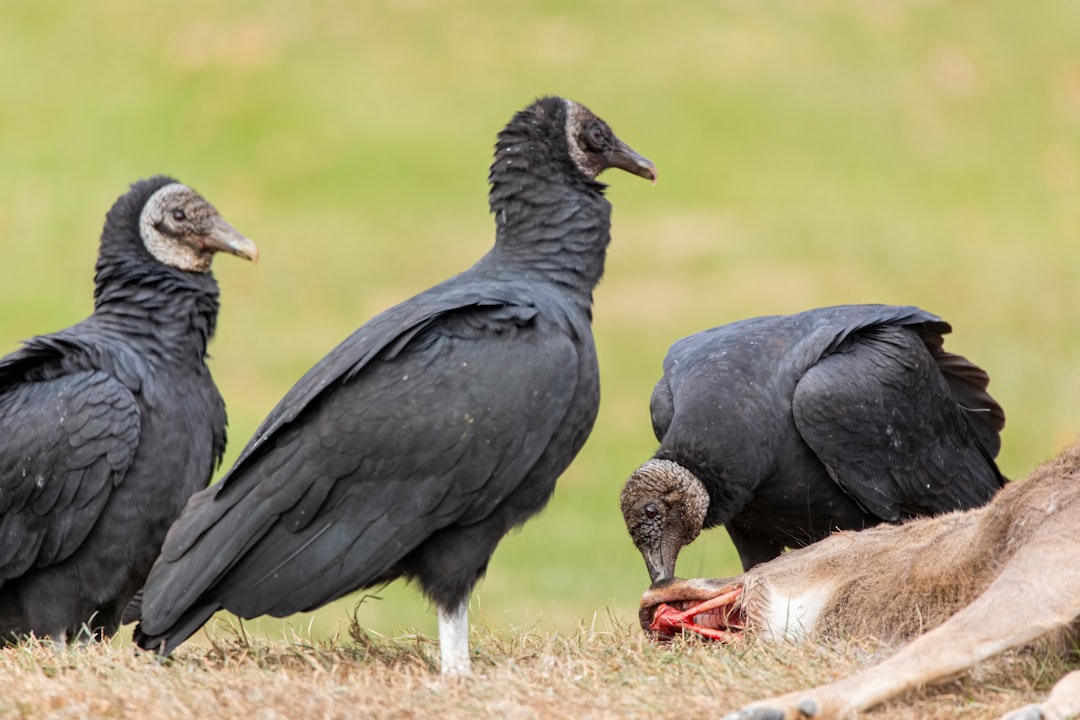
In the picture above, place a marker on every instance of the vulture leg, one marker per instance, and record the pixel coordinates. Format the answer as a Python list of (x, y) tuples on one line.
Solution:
[(454, 639)]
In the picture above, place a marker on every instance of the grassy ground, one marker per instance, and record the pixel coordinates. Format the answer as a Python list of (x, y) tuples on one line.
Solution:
[(604, 671), (810, 153)]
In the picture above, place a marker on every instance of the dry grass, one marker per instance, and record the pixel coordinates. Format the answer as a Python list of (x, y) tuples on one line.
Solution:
[(593, 673), (810, 153)]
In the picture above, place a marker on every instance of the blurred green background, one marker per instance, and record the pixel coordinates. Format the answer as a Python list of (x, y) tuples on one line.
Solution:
[(811, 152)]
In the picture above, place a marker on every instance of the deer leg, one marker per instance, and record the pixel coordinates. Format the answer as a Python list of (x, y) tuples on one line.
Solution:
[(1034, 594)]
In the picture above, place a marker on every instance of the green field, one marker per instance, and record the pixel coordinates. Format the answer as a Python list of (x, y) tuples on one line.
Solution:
[(810, 153)]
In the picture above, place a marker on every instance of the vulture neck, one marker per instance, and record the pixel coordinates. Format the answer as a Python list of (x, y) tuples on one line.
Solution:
[(175, 309), (549, 229)]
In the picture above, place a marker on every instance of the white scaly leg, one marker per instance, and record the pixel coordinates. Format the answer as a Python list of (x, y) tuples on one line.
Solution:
[(454, 639)]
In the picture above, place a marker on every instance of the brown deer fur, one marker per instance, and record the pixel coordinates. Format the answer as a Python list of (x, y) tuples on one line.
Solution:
[(965, 586)]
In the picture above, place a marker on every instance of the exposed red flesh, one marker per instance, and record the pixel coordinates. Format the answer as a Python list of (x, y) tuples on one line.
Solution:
[(668, 620)]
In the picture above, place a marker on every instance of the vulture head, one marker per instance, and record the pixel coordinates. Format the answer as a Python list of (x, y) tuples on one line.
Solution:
[(664, 507), (181, 229), (593, 147), (561, 141)]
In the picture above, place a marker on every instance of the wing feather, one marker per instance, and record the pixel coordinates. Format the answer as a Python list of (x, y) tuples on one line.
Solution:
[(881, 417), (337, 493), (68, 441)]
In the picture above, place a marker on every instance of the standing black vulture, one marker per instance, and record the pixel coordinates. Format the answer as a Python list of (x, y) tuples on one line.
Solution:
[(108, 427), (416, 444), (786, 428)]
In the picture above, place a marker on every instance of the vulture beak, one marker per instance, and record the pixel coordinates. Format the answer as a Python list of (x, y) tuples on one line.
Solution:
[(224, 237), (658, 569), (624, 157)]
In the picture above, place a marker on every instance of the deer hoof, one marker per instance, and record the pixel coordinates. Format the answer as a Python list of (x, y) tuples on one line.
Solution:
[(1028, 712)]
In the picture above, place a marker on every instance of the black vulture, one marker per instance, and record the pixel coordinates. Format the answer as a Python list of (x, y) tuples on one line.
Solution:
[(786, 428), (430, 432), (109, 426)]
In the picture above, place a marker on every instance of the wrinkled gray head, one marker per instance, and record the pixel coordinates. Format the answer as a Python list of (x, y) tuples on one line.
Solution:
[(664, 507), (182, 230), (594, 147)]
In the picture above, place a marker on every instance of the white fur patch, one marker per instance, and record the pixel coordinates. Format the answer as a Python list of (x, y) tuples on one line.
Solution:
[(793, 617)]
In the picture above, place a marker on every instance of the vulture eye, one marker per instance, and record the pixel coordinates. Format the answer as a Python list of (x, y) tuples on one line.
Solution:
[(179, 214), (595, 137), (651, 511)]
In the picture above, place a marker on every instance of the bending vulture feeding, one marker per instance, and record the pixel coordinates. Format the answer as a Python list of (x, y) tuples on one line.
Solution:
[(784, 429), (415, 445), (109, 426), (962, 587)]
